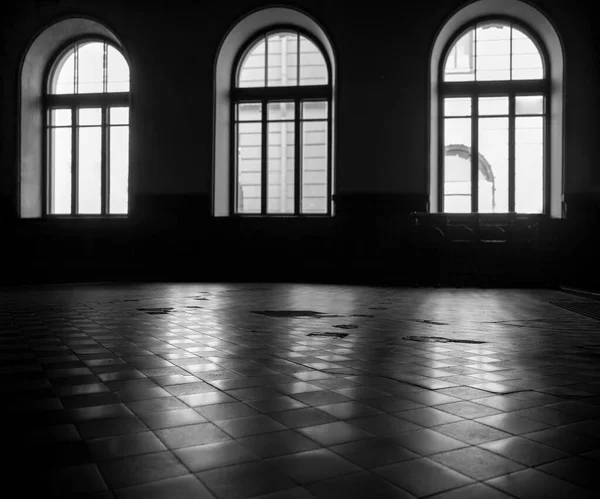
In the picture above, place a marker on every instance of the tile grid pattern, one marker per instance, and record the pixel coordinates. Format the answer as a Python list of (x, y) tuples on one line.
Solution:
[(106, 395)]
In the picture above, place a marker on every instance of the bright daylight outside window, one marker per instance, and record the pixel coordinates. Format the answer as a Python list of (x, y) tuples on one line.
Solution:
[(282, 104), (494, 95), (88, 131)]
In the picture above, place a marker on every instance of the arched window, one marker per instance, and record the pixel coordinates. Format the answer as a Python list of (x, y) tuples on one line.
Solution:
[(282, 127), (494, 95), (87, 130), (274, 111), (497, 112)]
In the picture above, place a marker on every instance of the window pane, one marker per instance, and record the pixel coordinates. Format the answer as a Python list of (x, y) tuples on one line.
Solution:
[(60, 117), (281, 111), (117, 71), (529, 104), (90, 116), (252, 70), (493, 165), (64, 75), (119, 169), (89, 155), (457, 106), (60, 173), (493, 106), (529, 164), (249, 111), (460, 60), (314, 110), (313, 68), (119, 115), (91, 68), (249, 141), (315, 152), (457, 165), (283, 60), (492, 52), (526, 58), (280, 168)]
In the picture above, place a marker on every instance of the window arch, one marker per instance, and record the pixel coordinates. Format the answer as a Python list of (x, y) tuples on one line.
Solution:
[(44, 87), (496, 121), (274, 117), (87, 130)]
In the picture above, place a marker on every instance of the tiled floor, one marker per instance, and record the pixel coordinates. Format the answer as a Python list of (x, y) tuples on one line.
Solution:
[(184, 391)]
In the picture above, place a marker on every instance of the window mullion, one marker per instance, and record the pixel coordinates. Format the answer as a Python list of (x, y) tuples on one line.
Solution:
[(264, 159), (475, 155), (74, 160), (297, 156), (105, 185), (329, 158), (511, 152)]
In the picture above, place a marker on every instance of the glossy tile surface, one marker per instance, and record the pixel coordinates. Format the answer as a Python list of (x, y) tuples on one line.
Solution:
[(185, 390)]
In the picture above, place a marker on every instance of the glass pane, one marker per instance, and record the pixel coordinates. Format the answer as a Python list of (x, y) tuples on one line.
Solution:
[(283, 60), (60, 117), (529, 164), (252, 70), (64, 75), (493, 165), (60, 174), (529, 104), (315, 152), (281, 111), (249, 140), (457, 165), (457, 106), (493, 105), (313, 68), (89, 156), (280, 168), (117, 72), (119, 115), (249, 111), (314, 110), (90, 116), (90, 68), (526, 58), (492, 52), (119, 169), (460, 60)]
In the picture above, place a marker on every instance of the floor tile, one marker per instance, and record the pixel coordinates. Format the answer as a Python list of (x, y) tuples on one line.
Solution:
[(109, 448), (245, 480), (422, 477), (217, 455), (357, 485), (334, 433), (171, 419), (223, 412), (189, 436), (471, 432), (384, 424), (298, 418), (278, 444), (575, 469), (475, 491), (429, 416), (426, 442), (512, 424), (534, 484), (524, 451), (184, 487), (477, 463), (373, 452), (253, 425), (312, 466), (141, 469)]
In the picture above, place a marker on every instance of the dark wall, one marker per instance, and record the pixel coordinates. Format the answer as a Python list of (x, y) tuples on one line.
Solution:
[(382, 93)]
